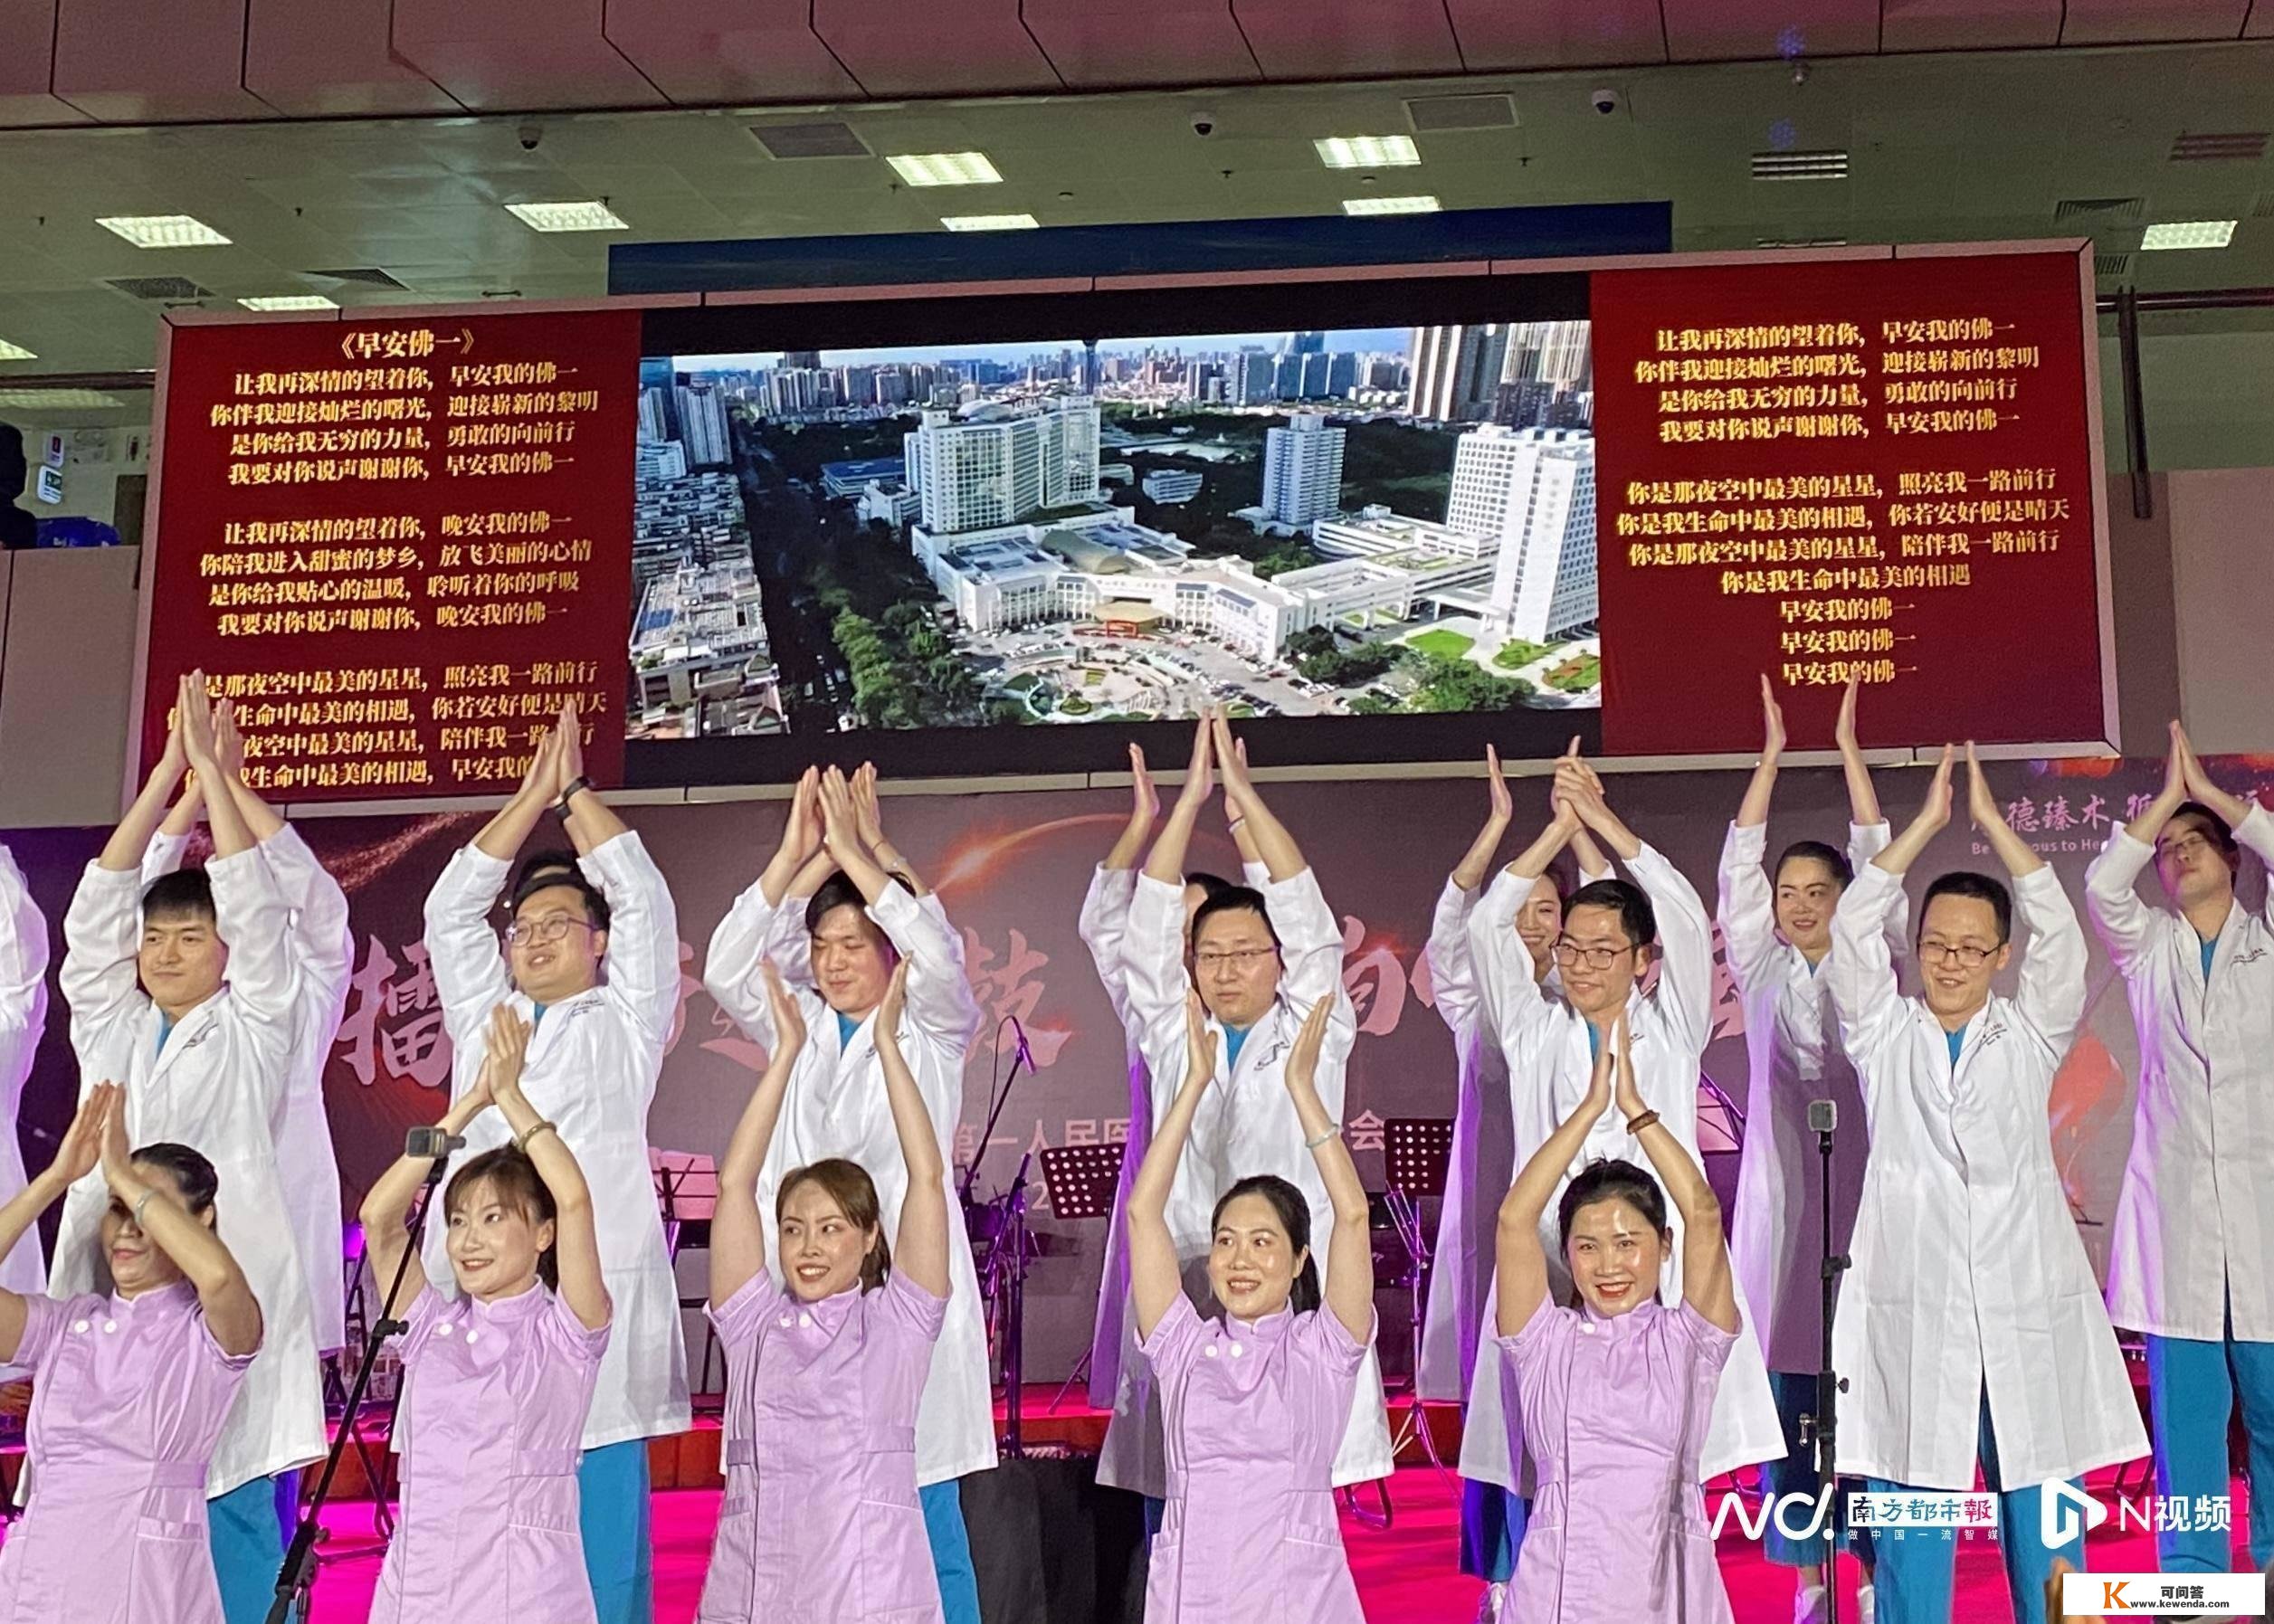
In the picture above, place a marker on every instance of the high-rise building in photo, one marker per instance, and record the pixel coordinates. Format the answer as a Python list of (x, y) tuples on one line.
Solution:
[(702, 415), (1534, 490), (1302, 472), (1457, 372), (997, 466), (1253, 375), (1306, 344)]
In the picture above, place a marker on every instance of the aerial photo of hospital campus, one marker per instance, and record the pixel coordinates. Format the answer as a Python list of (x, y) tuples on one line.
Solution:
[(1288, 524)]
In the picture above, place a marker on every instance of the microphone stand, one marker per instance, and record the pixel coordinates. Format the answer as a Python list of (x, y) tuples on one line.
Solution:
[(994, 1115), (297, 1578), (1823, 1116)]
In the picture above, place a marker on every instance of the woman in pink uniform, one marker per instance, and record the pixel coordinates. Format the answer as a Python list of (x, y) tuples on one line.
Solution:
[(1616, 1393), (1254, 1405), (132, 1391), (821, 1522), (496, 1380)]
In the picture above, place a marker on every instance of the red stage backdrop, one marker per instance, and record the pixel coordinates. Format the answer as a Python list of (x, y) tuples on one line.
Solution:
[(400, 546), (1879, 469)]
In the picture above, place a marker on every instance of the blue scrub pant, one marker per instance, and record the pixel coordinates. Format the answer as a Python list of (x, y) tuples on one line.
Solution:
[(249, 1527), (1492, 1524), (612, 1489), (1917, 1571), (951, 1550), (2192, 1390)]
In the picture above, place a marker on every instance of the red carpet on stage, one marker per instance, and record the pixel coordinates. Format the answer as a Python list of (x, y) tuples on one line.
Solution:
[(1405, 1573)]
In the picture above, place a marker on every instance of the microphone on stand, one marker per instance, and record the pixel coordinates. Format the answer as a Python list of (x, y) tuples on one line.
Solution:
[(1025, 1051), (431, 1141)]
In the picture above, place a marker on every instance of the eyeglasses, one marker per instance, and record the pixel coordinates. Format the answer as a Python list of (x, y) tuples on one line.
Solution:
[(1238, 958), (1568, 951), (544, 932), (1971, 958), (2186, 846)]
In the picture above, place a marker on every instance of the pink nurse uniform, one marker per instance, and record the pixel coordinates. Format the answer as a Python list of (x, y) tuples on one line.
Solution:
[(821, 1523), (493, 1409), (1252, 1415), (129, 1403), (1614, 1411)]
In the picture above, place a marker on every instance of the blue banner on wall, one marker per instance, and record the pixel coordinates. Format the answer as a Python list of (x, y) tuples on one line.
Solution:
[(1204, 245)]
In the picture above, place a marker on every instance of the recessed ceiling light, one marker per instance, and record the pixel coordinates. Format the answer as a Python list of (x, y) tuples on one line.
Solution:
[(2190, 233), (59, 400), (163, 230), (588, 216), (289, 301), (15, 352), (1389, 205), (944, 168), (1367, 152), (989, 222)]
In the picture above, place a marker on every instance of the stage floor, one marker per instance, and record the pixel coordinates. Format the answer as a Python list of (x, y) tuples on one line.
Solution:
[(1405, 1574)]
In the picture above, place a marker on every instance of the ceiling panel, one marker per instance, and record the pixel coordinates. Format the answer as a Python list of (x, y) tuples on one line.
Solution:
[(1968, 24), (113, 65), (1105, 44), (1495, 35), (511, 55), (698, 51), (1721, 30), (926, 47), (316, 59), (27, 56), (2141, 22), (1342, 39)]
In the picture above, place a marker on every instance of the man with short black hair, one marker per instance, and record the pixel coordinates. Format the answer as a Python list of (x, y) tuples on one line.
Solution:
[(592, 965), (1970, 1328), (2188, 1261)]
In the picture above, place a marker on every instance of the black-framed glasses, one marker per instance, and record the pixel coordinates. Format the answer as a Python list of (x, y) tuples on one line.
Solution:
[(1971, 958), (1238, 958), (1568, 951), (544, 933), (2186, 846)]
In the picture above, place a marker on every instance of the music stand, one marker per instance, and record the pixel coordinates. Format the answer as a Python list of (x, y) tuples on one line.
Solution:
[(1081, 1182), (1417, 1151)]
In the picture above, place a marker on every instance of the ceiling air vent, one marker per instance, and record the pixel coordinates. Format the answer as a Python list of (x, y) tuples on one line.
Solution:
[(2099, 211), (370, 276), (169, 288), (1799, 242), (2112, 265), (825, 140), (1430, 113), (1800, 166), (2263, 206), (2247, 146)]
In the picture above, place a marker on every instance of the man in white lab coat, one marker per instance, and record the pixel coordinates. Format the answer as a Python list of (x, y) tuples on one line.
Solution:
[(836, 920), (186, 992), (1259, 959), (592, 963), (24, 952), (1776, 929), (2189, 1263), (1549, 1033), (1454, 1340), (1971, 1327), (323, 949)]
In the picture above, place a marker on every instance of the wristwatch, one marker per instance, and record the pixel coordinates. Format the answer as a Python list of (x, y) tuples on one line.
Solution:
[(560, 807)]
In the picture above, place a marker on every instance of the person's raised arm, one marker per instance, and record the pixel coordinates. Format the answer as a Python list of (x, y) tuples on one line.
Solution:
[(1578, 786), (1708, 1283), (868, 812), (1522, 1266), (504, 835), (1685, 931), (1349, 1271), (576, 1240), (938, 997), (799, 844), (2051, 989), (919, 1247), (589, 820), (122, 853), (737, 1231), (1155, 1280), (1933, 817), (231, 836), (1982, 806), (233, 1314), (2125, 923), (1282, 858), (23, 958), (1753, 811), (840, 836), (2232, 809), (1165, 862), (758, 921), (386, 1211), (1476, 863), (1144, 810), (1863, 799), (263, 821), (75, 1157), (1860, 971)]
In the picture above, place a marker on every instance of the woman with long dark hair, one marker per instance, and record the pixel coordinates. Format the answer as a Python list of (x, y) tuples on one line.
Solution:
[(133, 1389), (825, 1366), (497, 1379), (1254, 1405)]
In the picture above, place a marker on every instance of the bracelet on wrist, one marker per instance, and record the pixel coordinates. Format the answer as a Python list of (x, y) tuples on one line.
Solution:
[(1332, 1133), (575, 787)]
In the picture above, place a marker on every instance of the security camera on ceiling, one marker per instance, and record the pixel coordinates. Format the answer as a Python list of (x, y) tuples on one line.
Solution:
[(1604, 101)]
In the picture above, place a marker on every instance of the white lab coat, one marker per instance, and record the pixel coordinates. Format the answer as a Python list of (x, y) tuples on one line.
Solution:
[(1969, 1273), (592, 1068), (1544, 1041), (22, 1017), (217, 1085), (2194, 1223), (1791, 1039), (837, 1107), (1246, 1124), (323, 959)]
